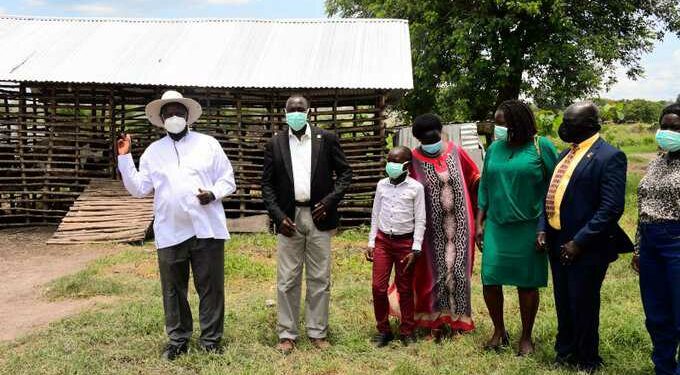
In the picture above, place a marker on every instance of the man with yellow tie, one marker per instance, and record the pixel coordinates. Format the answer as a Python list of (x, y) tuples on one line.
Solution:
[(580, 229)]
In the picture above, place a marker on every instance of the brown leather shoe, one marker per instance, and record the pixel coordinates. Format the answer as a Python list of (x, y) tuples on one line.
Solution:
[(286, 346), (322, 344)]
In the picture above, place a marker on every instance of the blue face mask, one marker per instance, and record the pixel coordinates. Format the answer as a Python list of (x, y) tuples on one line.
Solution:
[(668, 140), (296, 120), (433, 148), (395, 170), (501, 132)]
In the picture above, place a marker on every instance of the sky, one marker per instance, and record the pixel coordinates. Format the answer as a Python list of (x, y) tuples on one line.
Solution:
[(660, 82)]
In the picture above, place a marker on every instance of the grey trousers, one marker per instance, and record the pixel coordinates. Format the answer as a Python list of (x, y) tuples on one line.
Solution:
[(206, 259), (311, 248)]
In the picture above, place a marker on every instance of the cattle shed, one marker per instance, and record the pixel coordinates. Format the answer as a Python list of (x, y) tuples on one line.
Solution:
[(69, 86)]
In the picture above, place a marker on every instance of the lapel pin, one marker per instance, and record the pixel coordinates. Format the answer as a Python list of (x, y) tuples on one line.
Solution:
[(590, 154)]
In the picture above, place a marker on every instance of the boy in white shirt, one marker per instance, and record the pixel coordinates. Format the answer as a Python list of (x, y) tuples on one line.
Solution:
[(397, 230)]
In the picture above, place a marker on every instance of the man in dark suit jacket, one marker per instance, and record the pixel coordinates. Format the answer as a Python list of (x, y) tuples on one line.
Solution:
[(302, 196), (580, 228)]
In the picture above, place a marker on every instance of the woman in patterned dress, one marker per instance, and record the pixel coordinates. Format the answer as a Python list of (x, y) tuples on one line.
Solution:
[(657, 256), (442, 273)]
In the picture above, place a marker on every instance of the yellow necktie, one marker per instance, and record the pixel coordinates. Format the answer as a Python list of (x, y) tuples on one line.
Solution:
[(555, 182)]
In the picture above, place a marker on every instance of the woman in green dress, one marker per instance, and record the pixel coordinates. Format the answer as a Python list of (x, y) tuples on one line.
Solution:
[(512, 189)]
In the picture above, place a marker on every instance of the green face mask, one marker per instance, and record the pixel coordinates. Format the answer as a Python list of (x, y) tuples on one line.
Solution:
[(395, 170), (668, 140), (501, 132), (296, 120)]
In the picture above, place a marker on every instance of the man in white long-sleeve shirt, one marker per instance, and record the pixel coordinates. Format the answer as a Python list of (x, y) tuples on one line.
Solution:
[(189, 174)]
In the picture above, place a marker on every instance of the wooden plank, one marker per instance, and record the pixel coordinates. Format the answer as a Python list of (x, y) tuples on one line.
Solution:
[(105, 212)]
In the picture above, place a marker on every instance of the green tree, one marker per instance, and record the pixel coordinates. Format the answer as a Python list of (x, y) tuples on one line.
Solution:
[(640, 110), (614, 112), (547, 122), (469, 55)]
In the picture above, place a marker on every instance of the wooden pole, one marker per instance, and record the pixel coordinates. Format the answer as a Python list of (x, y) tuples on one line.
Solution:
[(76, 124), (112, 133), (20, 140), (380, 111), (335, 112), (241, 133), (50, 119)]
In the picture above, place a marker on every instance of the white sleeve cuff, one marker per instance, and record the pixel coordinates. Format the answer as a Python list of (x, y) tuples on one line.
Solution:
[(125, 162)]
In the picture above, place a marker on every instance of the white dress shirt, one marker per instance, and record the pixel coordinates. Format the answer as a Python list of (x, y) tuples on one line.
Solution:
[(174, 171), (399, 209), (301, 161)]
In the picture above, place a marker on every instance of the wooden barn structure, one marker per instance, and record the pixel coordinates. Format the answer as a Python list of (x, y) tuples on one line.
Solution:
[(69, 86)]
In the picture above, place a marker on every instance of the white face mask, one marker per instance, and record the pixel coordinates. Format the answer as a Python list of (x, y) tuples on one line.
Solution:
[(175, 124)]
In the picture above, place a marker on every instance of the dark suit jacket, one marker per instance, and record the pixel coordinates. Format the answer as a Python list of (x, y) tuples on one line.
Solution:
[(278, 191), (592, 206)]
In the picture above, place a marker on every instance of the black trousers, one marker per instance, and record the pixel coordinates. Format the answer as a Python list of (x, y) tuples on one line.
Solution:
[(206, 259), (577, 301)]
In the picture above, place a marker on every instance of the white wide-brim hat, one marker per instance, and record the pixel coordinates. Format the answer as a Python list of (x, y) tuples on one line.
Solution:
[(153, 109)]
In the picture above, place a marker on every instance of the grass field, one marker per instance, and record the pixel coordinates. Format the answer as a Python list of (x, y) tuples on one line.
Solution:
[(126, 336)]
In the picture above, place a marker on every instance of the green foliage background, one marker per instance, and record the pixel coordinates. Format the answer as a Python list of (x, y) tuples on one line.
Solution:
[(468, 56)]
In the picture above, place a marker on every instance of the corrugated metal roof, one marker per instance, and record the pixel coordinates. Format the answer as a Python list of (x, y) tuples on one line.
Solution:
[(328, 53)]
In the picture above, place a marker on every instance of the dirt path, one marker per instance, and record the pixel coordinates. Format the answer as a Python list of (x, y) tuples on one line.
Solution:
[(26, 265)]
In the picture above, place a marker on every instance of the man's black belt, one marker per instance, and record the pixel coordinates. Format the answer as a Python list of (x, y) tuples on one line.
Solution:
[(303, 204), (398, 236)]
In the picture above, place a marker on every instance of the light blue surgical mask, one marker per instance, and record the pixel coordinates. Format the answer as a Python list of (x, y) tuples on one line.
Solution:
[(433, 148), (668, 140), (395, 170), (296, 120), (501, 132)]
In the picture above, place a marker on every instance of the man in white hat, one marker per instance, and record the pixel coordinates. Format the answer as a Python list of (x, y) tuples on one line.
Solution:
[(189, 174)]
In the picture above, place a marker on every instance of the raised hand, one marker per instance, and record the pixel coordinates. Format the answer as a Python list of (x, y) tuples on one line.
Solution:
[(123, 144)]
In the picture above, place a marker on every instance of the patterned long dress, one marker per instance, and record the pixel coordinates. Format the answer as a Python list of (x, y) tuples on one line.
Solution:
[(443, 271)]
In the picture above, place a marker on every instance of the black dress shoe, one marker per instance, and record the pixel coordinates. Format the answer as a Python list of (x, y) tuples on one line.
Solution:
[(172, 351), (382, 339), (213, 348), (407, 340)]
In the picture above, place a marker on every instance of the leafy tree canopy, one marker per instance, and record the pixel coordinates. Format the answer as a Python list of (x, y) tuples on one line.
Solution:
[(469, 55)]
